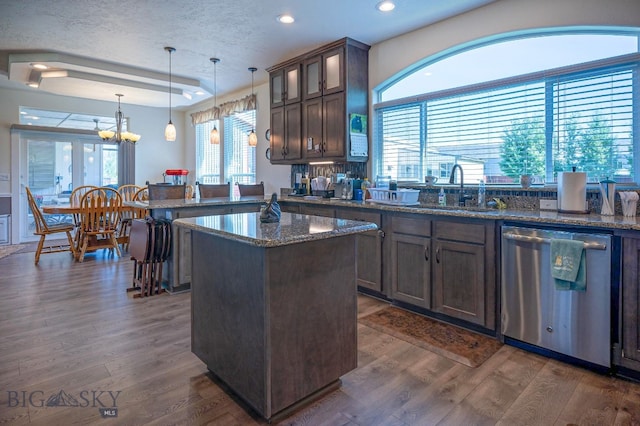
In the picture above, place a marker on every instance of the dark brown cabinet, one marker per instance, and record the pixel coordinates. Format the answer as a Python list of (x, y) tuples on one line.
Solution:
[(445, 265), (324, 73), (464, 271), (285, 85), (286, 141), (629, 355), (334, 86), (411, 260), (369, 248)]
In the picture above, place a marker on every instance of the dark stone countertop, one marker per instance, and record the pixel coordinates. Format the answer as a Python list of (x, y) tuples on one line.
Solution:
[(534, 216), (293, 228)]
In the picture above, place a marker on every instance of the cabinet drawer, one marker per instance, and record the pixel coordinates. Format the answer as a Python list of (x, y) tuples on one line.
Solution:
[(414, 225), (459, 231)]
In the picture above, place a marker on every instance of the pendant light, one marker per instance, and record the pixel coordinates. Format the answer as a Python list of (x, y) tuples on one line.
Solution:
[(170, 130), (214, 136), (253, 138)]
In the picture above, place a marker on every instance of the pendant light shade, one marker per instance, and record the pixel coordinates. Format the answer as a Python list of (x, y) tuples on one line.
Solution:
[(170, 130), (253, 138), (214, 136)]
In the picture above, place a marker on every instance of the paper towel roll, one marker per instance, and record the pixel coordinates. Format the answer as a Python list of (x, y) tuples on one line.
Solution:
[(572, 192)]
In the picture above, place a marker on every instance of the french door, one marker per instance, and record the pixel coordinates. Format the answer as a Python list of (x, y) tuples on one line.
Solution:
[(51, 165)]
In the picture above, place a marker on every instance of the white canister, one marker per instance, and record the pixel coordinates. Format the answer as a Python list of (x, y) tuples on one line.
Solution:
[(572, 192)]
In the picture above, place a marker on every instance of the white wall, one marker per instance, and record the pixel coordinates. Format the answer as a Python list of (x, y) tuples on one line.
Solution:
[(389, 58)]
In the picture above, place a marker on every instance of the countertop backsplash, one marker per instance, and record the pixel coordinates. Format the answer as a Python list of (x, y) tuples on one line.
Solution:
[(516, 198)]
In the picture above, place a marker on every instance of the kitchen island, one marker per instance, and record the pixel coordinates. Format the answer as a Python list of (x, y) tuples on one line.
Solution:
[(273, 305)]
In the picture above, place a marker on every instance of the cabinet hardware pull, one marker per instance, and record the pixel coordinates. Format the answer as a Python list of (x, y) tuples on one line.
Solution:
[(438, 255), (426, 253), (381, 233), (540, 240)]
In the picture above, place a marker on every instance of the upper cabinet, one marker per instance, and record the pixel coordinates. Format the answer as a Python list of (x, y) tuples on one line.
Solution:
[(324, 74), (285, 86), (330, 85)]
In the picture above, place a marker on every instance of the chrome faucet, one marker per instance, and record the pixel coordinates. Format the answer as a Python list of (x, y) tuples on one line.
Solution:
[(463, 198)]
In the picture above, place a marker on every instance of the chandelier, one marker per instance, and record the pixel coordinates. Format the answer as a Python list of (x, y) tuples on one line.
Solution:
[(118, 136)]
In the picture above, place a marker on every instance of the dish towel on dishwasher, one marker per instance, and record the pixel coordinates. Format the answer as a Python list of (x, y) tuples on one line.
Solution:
[(568, 264)]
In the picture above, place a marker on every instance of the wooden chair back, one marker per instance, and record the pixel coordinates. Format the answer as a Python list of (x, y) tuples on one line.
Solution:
[(190, 191), (214, 190), (166, 192), (100, 211), (100, 220), (78, 193), (127, 192), (142, 194), (251, 189), (43, 229)]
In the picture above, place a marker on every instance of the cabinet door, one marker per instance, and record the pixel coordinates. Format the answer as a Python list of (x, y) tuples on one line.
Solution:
[(276, 87), (630, 303), (276, 142), (312, 128), (410, 269), (292, 91), (459, 280), (313, 77), (369, 249), (292, 135), (333, 125), (333, 71)]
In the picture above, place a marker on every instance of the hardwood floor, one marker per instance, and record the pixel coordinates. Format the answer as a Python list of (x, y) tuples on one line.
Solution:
[(71, 327)]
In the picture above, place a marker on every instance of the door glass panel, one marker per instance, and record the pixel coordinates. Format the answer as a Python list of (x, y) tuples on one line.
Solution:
[(313, 77), (54, 167), (276, 89), (292, 84), (332, 68)]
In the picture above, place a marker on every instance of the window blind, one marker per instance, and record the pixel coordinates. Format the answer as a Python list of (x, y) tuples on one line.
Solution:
[(498, 132), (239, 157), (207, 154)]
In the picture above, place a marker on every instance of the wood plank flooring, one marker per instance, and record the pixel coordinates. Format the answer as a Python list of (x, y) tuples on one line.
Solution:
[(71, 327)]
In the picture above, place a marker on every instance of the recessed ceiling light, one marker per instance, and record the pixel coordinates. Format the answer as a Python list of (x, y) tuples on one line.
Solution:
[(23, 112), (34, 85), (385, 6), (199, 93), (187, 95), (286, 19), (40, 66)]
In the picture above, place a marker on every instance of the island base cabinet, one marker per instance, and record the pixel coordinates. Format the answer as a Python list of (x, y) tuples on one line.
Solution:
[(276, 324)]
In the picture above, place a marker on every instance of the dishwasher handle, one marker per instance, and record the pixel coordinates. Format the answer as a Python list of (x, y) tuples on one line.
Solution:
[(540, 240)]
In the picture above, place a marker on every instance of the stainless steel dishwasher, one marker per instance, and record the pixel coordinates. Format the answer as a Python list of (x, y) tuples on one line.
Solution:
[(573, 323)]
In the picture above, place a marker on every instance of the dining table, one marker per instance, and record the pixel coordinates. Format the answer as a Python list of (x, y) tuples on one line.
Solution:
[(69, 209)]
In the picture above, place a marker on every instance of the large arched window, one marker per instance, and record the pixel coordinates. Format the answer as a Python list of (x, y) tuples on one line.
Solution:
[(536, 105)]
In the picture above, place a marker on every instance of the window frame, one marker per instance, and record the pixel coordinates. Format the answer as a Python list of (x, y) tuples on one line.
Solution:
[(631, 61)]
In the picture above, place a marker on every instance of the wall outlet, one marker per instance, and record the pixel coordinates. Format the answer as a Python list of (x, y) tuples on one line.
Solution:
[(548, 204), (4, 176)]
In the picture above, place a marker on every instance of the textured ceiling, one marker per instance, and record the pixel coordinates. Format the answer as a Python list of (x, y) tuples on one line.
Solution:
[(115, 46)]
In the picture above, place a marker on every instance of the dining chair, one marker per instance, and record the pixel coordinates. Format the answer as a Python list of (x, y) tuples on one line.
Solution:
[(251, 189), (190, 191), (100, 218), (43, 229), (127, 192), (74, 201), (214, 190), (142, 194), (166, 192)]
